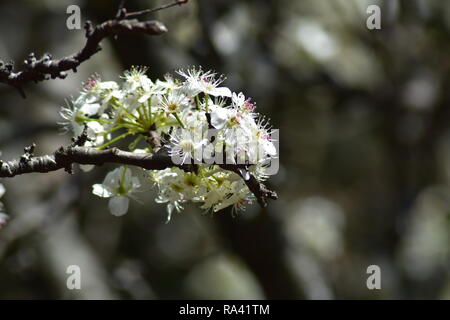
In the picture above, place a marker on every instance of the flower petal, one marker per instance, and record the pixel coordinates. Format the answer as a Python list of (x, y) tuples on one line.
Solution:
[(219, 117), (2, 190), (118, 205), (221, 92), (101, 190), (90, 109)]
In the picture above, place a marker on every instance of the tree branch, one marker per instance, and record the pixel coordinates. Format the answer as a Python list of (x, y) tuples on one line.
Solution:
[(46, 68), (64, 157)]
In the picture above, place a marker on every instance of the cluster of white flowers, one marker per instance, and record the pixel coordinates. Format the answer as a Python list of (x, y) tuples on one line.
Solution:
[(183, 112), (3, 216)]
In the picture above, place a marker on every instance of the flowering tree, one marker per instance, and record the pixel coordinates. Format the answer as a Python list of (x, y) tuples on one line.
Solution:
[(193, 139)]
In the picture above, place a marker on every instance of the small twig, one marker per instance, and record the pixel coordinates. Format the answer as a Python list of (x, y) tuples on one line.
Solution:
[(46, 67), (166, 6)]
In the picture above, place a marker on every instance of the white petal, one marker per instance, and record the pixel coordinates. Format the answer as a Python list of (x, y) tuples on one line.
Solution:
[(219, 117), (238, 99), (107, 85), (95, 126), (90, 109), (221, 92), (2, 190), (117, 94), (112, 179), (269, 148), (85, 98), (101, 191), (118, 205)]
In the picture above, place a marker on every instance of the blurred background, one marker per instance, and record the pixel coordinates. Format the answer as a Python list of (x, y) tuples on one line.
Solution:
[(364, 122)]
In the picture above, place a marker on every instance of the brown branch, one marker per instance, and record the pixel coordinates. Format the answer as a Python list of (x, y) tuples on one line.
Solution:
[(46, 68), (65, 157)]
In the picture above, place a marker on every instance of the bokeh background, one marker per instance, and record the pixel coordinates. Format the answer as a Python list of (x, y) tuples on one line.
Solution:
[(364, 120)]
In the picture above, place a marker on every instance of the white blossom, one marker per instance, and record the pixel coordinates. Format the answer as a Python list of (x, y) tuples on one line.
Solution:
[(118, 185), (174, 102), (186, 145), (136, 79), (198, 81), (219, 116)]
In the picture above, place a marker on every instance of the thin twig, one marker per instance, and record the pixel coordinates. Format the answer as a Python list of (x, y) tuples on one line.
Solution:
[(166, 6), (46, 67)]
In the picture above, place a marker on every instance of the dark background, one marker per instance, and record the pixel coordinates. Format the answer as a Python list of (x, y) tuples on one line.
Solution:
[(365, 156)]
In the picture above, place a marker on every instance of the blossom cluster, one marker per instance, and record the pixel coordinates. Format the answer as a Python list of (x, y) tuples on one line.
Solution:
[(197, 120)]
